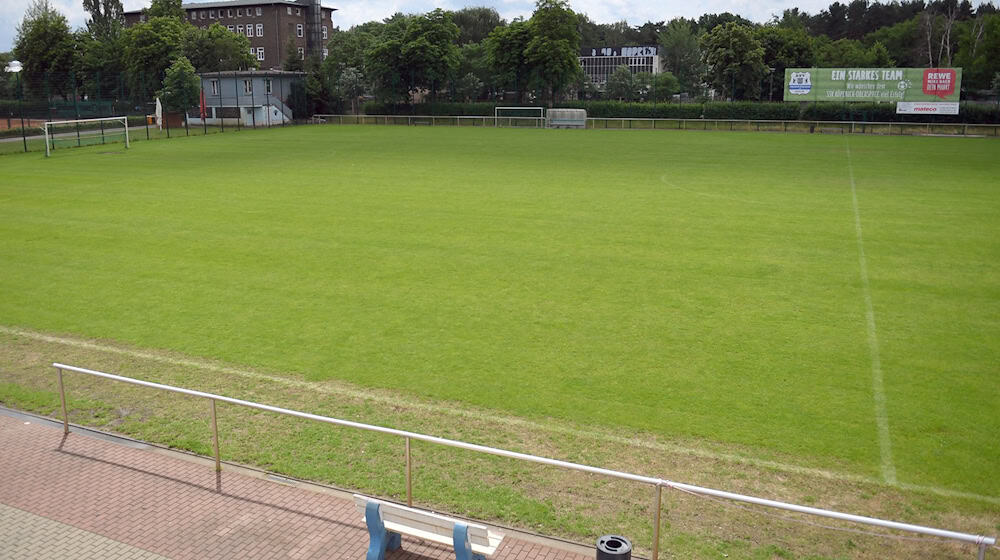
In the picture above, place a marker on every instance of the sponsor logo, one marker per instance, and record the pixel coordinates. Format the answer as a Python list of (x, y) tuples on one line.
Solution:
[(800, 83)]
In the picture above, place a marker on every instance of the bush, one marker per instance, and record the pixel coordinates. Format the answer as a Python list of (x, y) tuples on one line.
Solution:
[(740, 110)]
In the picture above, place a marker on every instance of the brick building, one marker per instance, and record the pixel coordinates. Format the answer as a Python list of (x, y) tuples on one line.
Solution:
[(267, 24)]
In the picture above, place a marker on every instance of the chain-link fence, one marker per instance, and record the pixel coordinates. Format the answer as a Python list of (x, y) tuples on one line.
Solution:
[(229, 102)]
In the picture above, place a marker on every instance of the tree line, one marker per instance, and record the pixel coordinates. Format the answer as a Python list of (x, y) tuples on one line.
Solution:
[(474, 54)]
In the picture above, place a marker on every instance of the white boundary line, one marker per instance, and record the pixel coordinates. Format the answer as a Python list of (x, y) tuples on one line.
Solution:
[(881, 415), (335, 389)]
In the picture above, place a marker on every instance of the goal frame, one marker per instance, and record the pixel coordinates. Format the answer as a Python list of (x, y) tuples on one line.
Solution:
[(539, 120), (49, 138)]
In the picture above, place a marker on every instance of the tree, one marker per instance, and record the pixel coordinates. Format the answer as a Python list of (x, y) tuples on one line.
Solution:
[(294, 60), (682, 52), (621, 84), (47, 50), (505, 52), (429, 52), (664, 86), (554, 46), (786, 48), (181, 87), (475, 24), (216, 48), (384, 62), (735, 60), (106, 17), (350, 85), (150, 48), (165, 8)]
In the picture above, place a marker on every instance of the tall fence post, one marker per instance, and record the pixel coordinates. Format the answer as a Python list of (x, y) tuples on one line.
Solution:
[(62, 399), (656, 522), (409, 479), (215, 438)]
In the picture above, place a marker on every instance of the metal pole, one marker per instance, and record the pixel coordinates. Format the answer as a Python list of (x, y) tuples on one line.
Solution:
[(253, 101), (62, 399), (982, 552), (221, 114), (215, 438), (409, 485), (656, 523), (20, 109)]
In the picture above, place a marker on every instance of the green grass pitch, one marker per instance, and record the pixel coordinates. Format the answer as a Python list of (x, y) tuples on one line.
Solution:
[(702, 286)]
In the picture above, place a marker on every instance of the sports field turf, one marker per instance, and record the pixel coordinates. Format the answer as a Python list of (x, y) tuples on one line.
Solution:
[(697, 286)]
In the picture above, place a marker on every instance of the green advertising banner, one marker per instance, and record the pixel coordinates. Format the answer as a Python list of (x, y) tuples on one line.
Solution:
[(873, 84)]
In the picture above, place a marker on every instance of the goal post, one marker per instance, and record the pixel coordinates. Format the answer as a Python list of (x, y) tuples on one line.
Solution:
[(519, 116), (85, 132)]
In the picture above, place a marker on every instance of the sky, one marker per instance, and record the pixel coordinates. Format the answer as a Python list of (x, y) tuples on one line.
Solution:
[(359, 11)]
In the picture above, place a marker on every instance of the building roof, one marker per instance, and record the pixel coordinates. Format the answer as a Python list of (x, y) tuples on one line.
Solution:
[(253, 73), (237, 3)]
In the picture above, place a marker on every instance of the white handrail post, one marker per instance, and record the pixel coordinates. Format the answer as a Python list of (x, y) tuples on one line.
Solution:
[(215, 438), (656, 522), (62, 399), (409, 479)]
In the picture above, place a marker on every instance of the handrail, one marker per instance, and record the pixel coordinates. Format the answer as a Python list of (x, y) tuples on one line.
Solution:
[(855, 125), (981, 541)]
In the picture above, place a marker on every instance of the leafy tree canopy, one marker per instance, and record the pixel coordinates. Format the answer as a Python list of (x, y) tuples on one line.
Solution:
[(181, 87)]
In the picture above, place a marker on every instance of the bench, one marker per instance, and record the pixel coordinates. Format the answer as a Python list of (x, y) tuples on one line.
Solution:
[(387, 521)]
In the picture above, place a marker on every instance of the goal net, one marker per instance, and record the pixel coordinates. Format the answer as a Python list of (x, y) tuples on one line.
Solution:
[(85, 132), (532, 117)]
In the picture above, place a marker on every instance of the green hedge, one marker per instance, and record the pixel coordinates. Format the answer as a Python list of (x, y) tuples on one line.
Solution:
[(972, 113)]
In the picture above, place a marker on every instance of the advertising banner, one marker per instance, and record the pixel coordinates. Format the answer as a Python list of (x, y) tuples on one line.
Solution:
[(927, 108), (873, 84)]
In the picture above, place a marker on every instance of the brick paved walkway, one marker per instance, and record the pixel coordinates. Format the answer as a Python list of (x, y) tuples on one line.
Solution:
[(81, 493)]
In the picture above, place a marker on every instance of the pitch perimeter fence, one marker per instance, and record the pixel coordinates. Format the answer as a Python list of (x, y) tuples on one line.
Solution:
[(980, 542)]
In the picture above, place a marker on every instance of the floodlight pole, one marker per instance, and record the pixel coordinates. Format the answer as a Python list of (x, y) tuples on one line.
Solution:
[(20, 108), (15, 67)]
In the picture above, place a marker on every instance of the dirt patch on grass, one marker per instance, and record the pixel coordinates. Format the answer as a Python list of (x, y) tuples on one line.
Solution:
[(534, 497)]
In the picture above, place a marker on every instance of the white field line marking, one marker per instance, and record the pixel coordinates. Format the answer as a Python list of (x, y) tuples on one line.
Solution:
[(330, 388), (881, 415)]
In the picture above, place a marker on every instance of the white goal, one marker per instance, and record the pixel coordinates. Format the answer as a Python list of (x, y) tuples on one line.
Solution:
[(85, 132), (533, 117)]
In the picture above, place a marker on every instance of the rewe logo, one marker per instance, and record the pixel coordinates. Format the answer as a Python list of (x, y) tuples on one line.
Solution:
[(799, 83), (939, 82)]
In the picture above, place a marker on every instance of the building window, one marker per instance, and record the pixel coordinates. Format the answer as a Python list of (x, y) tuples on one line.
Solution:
[(298, 29), (239, 12), (142, 17), (215, 86), (211, 14), (267, 84), (260, 29), (289, 10), (229, 12), (249, 30), (260, 53), (193, 14), (252, 52), (248, 85), (302, 53), (258, 11), (324, 33), (298, 11), (201, 15), (230, 28), (239, 29), (326, 53)]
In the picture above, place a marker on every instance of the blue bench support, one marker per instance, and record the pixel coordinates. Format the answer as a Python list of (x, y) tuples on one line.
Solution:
[(379, 540), (463, 550)]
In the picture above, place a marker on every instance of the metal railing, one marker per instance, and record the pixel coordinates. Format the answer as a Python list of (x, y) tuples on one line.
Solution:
[(981, 541), (757, 125)]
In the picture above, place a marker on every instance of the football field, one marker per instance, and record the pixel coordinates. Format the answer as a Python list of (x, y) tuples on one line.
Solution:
[(829, 302)]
